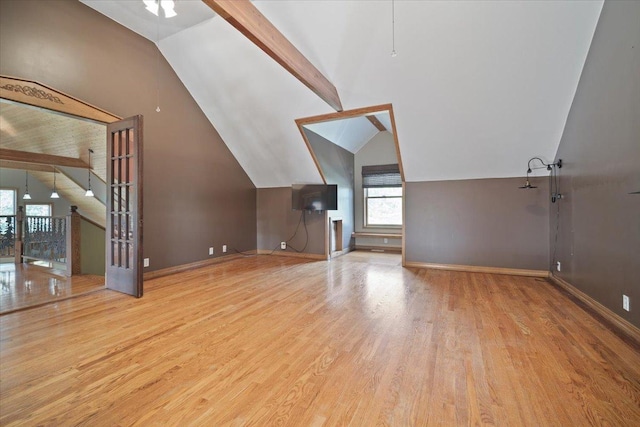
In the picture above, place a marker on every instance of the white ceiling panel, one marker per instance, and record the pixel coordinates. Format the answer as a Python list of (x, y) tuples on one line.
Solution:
[(134, 15), (351, 134)]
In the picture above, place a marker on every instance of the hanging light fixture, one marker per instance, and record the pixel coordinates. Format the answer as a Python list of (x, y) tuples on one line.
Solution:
[(167, 6), (154, 7), (393, 29), (527, 184), (89, 193), (553, 176), (157, 62), (26, 196), (54, 194)]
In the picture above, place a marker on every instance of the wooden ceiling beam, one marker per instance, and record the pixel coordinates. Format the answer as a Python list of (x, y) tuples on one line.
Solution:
[(377, 123), (358, 112), (41, 159), (247, 19), (7, 164)]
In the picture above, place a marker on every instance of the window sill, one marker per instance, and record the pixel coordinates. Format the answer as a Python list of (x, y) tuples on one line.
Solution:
[(368, 234)]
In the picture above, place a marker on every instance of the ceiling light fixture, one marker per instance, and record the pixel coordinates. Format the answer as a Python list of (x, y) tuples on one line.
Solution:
[(54, 194), (89, 193), (553, 176), (26, 196), (167, 6), (393, 29)]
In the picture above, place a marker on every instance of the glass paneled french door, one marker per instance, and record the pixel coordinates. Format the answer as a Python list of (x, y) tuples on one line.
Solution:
[(124, 206)]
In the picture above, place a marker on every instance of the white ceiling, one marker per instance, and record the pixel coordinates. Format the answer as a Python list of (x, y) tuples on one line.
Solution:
[(351, 134), (477, 87), (133, 15)]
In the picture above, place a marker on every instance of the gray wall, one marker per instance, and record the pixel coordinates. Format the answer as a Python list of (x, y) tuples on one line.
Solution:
[(92, 248), (277, 222), (599, 238), (338, 167), (196, 195), (14, 178), (483, 222)]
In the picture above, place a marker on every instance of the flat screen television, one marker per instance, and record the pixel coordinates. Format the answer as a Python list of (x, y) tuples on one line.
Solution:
[(314, 197)]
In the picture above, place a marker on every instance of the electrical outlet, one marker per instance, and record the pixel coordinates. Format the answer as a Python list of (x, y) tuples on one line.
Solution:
[(283, 245), (224, 248), (146, 262), (210, 251), (559, 266), (625, 302), (385, 240)]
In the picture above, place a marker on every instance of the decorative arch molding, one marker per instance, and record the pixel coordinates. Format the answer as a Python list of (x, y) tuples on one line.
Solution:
[(38, 95)]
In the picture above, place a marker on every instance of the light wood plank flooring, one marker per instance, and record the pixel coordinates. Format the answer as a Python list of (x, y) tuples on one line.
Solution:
[(356, 341), (25, 285)]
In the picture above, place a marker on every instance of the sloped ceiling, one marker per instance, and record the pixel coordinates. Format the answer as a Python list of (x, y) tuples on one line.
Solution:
[(477, 87), (35, 130), (133, 15), (350, 133)]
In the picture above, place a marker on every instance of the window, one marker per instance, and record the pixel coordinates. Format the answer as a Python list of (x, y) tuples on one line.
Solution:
[(383, 206), (37, 209), (7, 201), (382, 186)]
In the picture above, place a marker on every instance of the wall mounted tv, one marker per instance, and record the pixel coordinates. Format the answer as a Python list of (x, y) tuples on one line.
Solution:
[(314, 197)]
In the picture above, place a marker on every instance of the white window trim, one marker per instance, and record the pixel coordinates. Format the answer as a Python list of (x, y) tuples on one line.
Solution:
[(39, 204), (15, 198), (366, 224)]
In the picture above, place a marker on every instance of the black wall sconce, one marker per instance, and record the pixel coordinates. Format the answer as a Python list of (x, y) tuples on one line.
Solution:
[(553, 176)]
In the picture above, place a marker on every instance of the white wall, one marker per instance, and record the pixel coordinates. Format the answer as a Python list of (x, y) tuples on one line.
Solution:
[(14, 178)]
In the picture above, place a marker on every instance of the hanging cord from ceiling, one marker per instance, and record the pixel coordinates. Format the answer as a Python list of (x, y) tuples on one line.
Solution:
[(158, 63), (89, 192), (393, 29)]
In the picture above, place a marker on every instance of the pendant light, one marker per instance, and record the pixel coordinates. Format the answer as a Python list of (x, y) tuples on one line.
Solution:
[(89, 193), (54, 194), (553, 176), (26, 196)]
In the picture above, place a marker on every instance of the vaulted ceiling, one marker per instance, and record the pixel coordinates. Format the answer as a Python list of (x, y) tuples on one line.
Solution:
[(57, 142), (477, 87), (34, 130), (352, 133)]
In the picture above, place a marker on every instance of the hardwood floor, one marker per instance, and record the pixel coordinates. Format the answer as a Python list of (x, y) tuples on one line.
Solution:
[(26, 285), (357, 341)]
